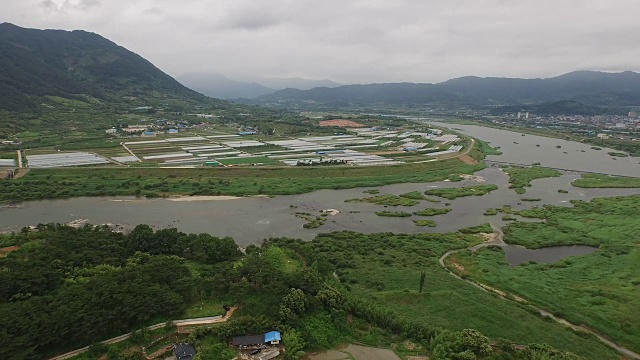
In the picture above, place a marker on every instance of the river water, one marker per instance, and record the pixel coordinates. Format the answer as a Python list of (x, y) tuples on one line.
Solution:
[(517, 255), (571, 155), (252, 219)]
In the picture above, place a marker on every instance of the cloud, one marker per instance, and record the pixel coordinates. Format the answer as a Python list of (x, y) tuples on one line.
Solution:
[(67, 5), (357, 40)]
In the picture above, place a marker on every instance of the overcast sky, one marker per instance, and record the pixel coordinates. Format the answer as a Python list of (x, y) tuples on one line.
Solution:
[(356, 41)]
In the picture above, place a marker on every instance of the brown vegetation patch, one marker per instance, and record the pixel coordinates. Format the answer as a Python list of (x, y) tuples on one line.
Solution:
[(468, 160), (341, 123), (459, 267), (6, 250)]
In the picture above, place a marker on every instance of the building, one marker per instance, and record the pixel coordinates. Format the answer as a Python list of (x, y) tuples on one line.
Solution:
[(111, 131), (242, 133), (149, 134), (633, 114), (134, 129), (602, 136), (270, 338), (248, 341), (273, 338), (172, 131), (184, 351)]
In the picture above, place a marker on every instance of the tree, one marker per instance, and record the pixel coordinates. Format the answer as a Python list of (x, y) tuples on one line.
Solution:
[(293, 305), (294, 343), (423, 277)]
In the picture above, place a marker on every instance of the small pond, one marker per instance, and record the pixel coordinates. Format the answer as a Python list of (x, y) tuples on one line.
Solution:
[(517, 255)]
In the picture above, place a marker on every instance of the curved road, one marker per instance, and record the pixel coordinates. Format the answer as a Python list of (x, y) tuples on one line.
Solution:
[(498, 241), (178, 323)]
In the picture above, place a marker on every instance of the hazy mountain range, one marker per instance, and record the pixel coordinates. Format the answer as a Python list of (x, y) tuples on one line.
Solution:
[(35, 64), (590, 88), (222, 87)]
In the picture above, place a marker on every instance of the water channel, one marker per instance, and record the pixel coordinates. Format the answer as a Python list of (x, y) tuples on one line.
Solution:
[(530, 149), (250, 220)]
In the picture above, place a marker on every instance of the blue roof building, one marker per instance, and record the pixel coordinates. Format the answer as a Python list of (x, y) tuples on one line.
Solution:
[(272, 337)]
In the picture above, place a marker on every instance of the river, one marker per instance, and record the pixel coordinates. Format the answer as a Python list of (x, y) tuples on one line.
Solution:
[(250, 220), (570, 154)]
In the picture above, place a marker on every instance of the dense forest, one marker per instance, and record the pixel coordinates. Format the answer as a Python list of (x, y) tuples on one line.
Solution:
[(66, 287)]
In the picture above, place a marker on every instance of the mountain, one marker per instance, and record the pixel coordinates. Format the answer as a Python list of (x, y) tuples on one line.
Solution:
[(35, 64), (588, 87), (221, 87), (295, 83)]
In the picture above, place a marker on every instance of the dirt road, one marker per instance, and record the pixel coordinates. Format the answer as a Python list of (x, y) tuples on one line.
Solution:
[(498, 241)]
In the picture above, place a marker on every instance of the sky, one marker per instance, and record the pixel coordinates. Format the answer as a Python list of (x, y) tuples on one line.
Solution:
[(356, 41)]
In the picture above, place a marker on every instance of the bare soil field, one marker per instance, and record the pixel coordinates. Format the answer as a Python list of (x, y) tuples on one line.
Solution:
[(341, 123), (6, 250), (369, 353), (356, 352), (328, 355)]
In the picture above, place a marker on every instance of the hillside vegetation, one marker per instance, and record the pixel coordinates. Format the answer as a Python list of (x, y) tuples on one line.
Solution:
[(65, 288)]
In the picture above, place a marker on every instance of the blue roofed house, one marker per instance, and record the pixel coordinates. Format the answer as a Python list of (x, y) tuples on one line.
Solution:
[(272, 338)]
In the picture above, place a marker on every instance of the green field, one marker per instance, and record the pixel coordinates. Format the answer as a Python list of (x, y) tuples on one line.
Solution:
[(606, 181), (454, 193), (601, 290), (521, 177), (384, 270), (73, 182)]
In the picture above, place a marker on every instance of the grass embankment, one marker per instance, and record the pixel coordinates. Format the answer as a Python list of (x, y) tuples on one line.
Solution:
[(484, 228), (387, 200), (617, 154), (521, 177), (313, 222), (432, 211), (454, 193), (429, 223), (385, 270), (393, 214), (65, 183), (606, 181), (416, 195), (601, 290)]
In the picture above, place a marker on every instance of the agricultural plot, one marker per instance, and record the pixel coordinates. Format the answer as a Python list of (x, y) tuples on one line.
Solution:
[(7, 162), (367, 148), (64, 160)]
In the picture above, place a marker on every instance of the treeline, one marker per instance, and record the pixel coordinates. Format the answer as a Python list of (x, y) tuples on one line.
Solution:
[(66, 288)]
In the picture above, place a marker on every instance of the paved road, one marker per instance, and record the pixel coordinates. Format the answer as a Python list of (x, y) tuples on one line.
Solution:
[(498, 241)]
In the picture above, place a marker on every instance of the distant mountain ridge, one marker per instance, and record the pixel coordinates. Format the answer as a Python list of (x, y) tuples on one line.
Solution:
[(589, 87), (223, 87), (37, 63)]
